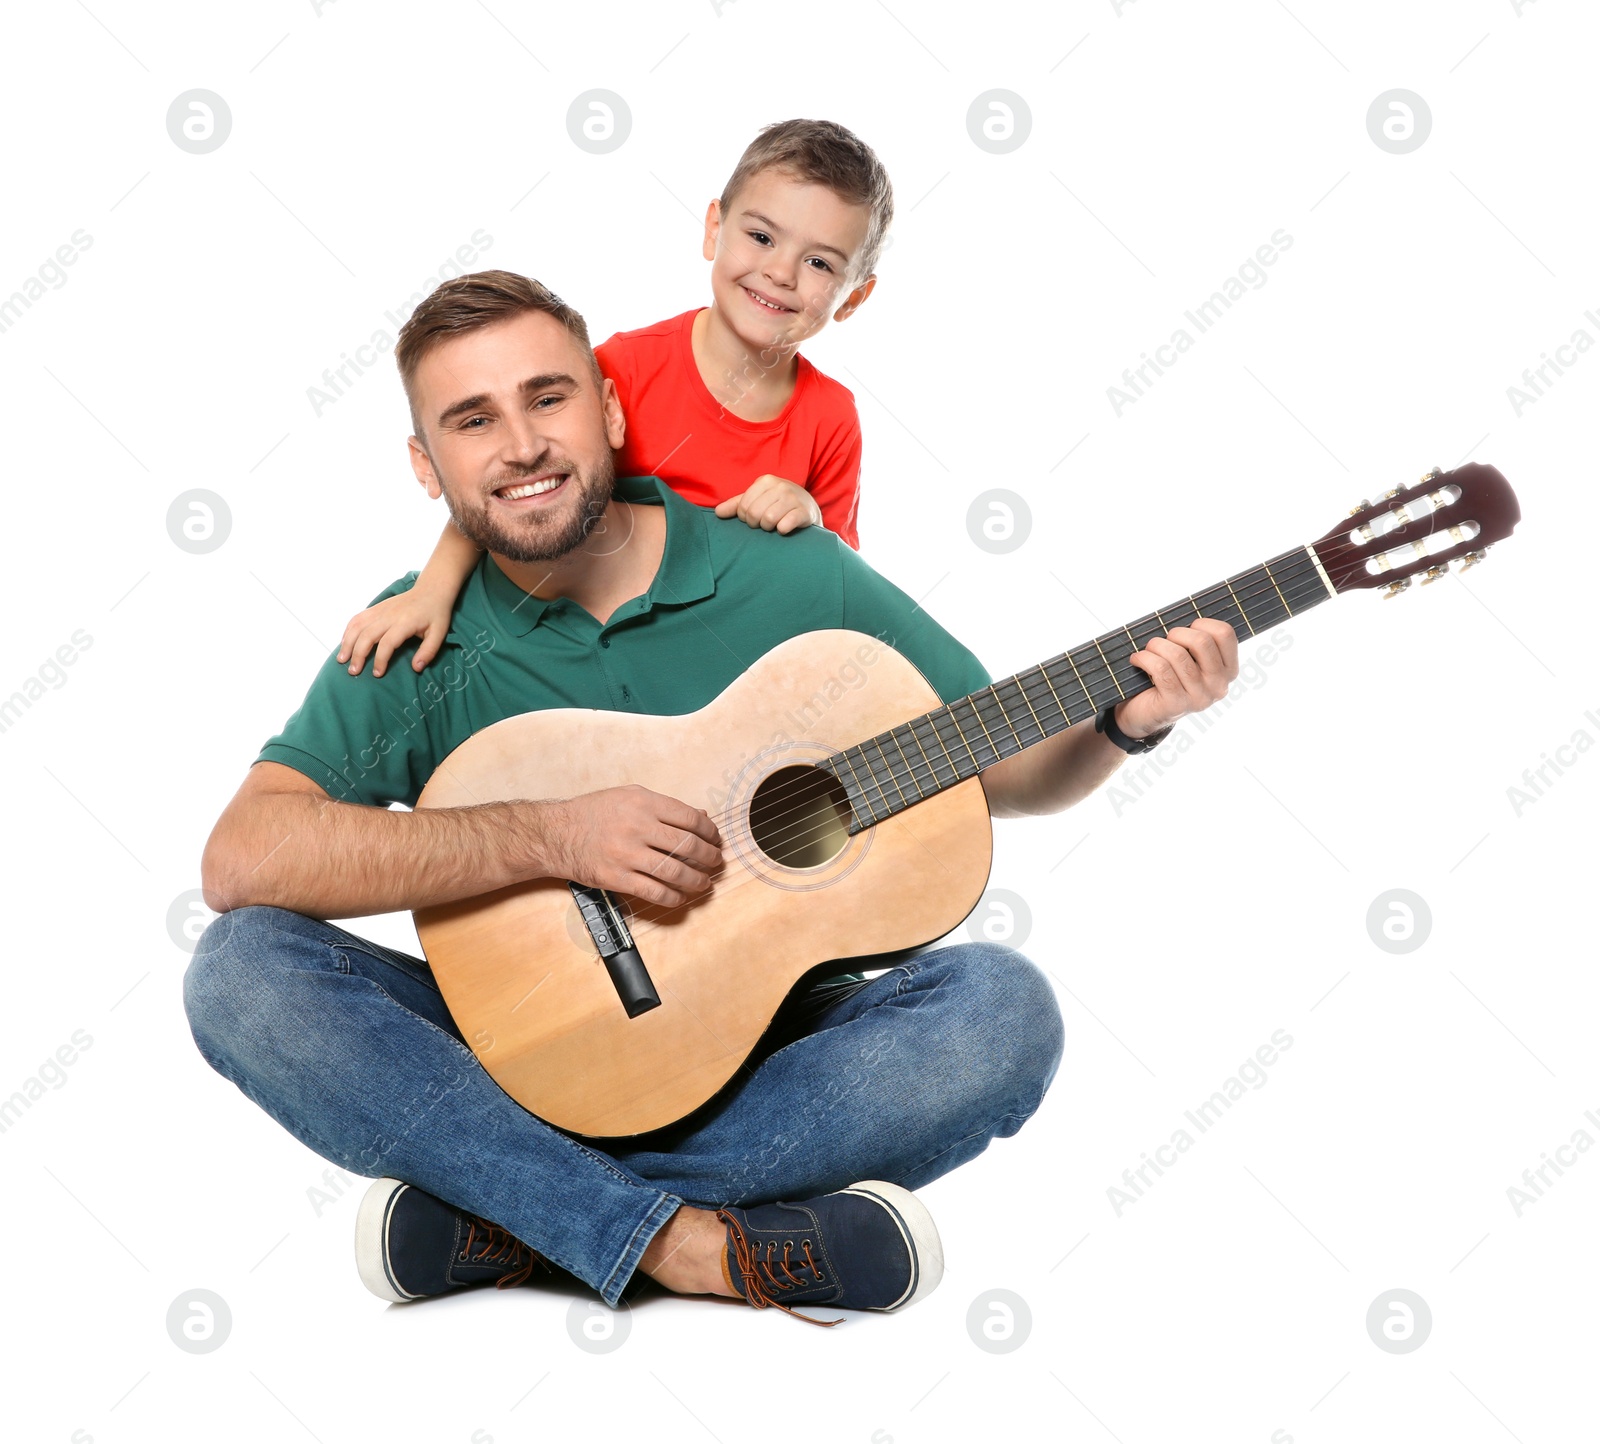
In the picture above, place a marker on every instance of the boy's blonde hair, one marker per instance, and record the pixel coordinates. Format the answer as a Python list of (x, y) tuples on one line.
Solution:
[(823, 153)]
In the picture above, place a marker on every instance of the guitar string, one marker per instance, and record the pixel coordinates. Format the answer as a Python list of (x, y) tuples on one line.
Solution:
[(659, 915), (1328, 552), (1096, 695)]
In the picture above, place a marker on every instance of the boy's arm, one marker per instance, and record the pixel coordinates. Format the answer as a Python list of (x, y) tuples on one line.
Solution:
[(424, 611)]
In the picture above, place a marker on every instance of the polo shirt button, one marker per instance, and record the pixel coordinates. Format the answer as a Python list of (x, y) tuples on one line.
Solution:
[(605, 641)]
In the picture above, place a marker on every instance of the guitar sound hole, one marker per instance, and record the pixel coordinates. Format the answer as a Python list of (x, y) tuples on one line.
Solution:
[(800, 817)]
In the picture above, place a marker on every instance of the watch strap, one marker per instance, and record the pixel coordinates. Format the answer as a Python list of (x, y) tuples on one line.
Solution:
[(1106, 724)]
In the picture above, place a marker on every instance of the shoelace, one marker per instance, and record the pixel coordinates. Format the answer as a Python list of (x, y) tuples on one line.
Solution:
[(500, 1247), (760, 1291)]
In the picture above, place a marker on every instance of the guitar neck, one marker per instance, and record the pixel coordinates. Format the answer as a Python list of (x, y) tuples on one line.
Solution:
[(899, 768)]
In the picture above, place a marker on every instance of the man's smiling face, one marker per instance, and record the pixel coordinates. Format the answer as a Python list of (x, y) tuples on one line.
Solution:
[(517, 435)]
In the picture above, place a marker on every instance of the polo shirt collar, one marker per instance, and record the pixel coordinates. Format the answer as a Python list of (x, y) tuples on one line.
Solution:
[(684, 576)]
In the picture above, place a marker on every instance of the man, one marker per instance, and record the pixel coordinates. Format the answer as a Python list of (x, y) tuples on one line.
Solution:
[(598, 593)]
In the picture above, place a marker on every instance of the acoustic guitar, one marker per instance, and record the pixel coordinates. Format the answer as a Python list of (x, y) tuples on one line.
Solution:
[(852, 816)]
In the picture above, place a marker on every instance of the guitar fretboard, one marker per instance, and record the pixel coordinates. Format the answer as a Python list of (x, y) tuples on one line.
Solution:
[(899, 768)]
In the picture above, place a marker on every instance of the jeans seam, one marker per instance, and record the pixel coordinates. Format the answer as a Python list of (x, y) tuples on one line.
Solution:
[(612, 1289), (910, 970), (383, 992), (378, 953), (341, 962), (992, 1131)]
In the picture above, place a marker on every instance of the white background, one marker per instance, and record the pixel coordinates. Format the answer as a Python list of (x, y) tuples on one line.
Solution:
[(1167, 142)]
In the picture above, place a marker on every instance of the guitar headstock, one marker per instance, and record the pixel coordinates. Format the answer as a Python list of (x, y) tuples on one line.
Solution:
[(1420, 529)]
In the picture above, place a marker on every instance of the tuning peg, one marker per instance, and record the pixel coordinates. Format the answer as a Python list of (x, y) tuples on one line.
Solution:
[(1395, 492), (1430, 475), (1434, 573), (1395, 588), (1360, 506), (1471, 559)]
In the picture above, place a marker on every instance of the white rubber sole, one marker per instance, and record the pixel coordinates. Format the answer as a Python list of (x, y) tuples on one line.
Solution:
[(372, 1240), (917, 1228)]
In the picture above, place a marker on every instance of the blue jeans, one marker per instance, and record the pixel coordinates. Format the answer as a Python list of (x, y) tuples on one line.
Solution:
[(350, 1047)]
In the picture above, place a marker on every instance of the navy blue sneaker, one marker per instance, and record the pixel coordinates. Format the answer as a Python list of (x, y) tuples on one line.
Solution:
[(410, 1245), (870, 1246)]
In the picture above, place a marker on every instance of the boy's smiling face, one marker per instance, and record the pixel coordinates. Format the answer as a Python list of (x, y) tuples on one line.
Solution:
[(782, 259)]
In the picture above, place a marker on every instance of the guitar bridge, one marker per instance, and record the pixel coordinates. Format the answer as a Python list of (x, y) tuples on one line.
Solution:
[(614, 942)]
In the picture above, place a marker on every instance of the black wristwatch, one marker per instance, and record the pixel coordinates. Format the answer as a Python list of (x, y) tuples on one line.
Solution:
[(1106, 723)]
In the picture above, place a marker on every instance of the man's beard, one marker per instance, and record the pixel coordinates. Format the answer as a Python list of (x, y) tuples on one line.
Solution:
[(539, 535)]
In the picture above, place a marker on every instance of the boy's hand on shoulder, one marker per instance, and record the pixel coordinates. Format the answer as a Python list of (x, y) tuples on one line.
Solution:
[(773, 504), (389, 624)]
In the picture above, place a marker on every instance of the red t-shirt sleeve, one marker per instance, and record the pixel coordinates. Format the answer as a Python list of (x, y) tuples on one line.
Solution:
[(835, 479)]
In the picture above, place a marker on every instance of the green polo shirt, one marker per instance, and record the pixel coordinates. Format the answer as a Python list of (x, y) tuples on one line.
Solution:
[(725, 593)]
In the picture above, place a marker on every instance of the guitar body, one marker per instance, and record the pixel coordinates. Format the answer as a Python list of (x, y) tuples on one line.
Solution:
[(519, 968)]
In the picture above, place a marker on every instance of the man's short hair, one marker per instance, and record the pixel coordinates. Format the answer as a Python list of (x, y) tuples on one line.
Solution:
[(826, 154), (469, 303)]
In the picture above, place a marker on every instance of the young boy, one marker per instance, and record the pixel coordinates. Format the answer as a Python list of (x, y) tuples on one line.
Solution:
[(718, 402)]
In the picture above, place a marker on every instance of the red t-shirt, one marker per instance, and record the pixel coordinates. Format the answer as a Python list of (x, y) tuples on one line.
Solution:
[(676, 430)]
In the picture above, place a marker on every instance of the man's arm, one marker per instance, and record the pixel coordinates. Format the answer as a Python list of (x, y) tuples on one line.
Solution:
[(1191, 667), (284, 842)]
